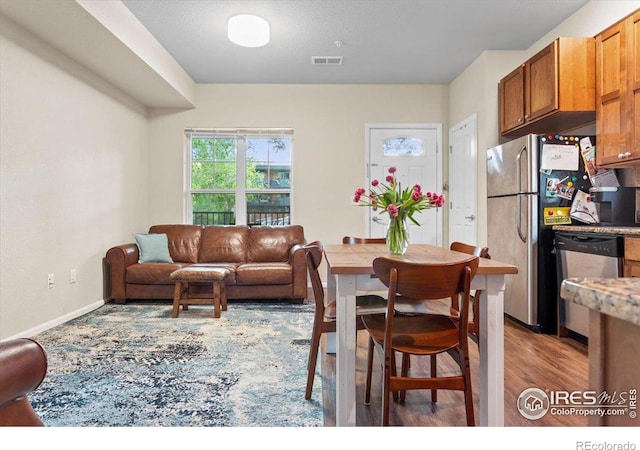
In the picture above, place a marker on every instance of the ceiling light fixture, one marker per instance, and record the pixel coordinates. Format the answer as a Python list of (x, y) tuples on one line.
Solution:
[(248, 30)]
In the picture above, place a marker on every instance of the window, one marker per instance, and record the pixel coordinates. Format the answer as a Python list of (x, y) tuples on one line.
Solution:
[(403, 146), (239, 177)]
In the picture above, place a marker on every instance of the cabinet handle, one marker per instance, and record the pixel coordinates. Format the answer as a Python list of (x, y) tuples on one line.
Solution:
[(620, 155), (526, 116), (627, 154), (519, 119)]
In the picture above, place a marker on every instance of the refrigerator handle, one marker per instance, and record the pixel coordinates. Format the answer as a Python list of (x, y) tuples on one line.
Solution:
[(523, 238), (519, 168)]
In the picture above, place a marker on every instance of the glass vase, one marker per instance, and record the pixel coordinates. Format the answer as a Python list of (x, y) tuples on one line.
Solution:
[(397, 236)]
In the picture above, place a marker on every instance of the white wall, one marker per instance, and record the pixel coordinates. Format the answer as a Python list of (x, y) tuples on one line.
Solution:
[(73, 181), (476, 89), (329, 130)]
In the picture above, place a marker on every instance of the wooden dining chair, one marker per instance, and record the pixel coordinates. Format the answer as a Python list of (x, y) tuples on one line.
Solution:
[(424, 334), (324, 319), (371, 297), (411, 307), (474, 323)]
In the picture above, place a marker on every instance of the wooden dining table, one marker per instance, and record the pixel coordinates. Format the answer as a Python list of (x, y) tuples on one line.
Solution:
[(350, 269)]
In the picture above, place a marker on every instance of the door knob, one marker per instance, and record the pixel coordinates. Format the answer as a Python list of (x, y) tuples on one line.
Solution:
[(471, 217), (377, 219)]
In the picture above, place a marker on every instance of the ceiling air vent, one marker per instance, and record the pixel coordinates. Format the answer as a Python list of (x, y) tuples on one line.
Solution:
[(326, 60)]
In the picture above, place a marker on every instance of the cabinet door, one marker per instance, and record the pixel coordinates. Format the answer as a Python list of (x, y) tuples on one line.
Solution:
[(511, 94), (541, 83), (631, 269), (611, 87), (632, 257), (634, 86)]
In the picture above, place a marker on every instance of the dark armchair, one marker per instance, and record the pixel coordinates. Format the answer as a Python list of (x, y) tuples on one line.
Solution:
[(23, 366)]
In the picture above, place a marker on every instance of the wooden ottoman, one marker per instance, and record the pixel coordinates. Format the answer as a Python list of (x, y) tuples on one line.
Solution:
[(200, 274)]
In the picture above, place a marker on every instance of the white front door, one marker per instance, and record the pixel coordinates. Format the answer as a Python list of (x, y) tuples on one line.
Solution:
[(413, 151), (462, 182)]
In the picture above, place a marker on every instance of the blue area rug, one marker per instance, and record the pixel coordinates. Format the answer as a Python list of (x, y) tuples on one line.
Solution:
[(134, 366)]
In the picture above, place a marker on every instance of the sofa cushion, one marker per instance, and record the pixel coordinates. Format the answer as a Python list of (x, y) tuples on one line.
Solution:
[(184, 241), (273, 243), (224, 244), (256, 274), (152, 273), (153, 248)]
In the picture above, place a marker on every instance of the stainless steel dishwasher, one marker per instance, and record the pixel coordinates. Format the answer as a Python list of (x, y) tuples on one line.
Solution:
[(584, 255)]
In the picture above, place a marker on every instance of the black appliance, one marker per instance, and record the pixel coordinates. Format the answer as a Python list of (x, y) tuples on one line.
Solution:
[(615, 205), (530, 189)]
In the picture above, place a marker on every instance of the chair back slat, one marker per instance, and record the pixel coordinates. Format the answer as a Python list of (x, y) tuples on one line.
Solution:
[(425, 281), (482, 252), (359, 240)]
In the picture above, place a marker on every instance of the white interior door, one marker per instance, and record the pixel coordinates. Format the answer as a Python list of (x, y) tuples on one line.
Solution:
[(413, 150), (463, 162)]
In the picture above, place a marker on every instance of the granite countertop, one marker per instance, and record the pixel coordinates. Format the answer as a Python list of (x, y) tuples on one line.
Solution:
[(616, 297), (631, 231)]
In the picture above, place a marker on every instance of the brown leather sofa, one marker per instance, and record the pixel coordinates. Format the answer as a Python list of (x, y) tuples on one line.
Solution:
[(266, 262), (23, 366)]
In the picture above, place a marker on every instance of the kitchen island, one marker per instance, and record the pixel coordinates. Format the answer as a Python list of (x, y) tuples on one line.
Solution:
[(614, 341)]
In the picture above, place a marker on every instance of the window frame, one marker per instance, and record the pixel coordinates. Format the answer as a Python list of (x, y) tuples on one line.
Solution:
[(241, 191)]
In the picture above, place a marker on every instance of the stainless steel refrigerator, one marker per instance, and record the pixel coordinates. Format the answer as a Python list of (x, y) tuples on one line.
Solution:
[(518, 197)]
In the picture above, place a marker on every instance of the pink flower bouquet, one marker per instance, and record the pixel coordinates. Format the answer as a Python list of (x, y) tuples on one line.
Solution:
[(400, 204)]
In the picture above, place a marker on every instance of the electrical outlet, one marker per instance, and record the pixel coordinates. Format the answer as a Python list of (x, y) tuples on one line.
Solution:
[(72, 276), (50, 281)]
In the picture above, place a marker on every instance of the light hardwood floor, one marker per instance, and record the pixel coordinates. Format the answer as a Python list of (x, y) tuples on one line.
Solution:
[(531, 360)]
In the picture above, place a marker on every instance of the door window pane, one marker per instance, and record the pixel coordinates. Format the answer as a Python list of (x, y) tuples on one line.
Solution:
[(213, 209), (268, 209), (268, 163), (403, 146)]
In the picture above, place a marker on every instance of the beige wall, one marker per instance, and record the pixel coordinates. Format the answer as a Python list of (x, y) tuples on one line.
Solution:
[(329, 126), (82, 167), (476, 89), (73, 181)]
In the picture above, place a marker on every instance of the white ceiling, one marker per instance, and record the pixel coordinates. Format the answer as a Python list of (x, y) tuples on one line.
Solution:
[(384, 41)]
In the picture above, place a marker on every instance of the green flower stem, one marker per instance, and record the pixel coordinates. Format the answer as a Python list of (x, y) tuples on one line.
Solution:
[(397, 237)]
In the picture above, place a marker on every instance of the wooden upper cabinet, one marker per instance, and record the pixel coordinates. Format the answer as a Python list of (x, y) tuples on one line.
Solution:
[(557, 90), (541, 83), (611, 61), (512, 99), (618, 94), (634, 57)]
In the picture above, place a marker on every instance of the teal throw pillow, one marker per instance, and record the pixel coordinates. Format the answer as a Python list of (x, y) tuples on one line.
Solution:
[(154, 248)]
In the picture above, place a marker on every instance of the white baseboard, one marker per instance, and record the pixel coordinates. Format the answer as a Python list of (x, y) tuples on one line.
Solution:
[(58, 321)]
